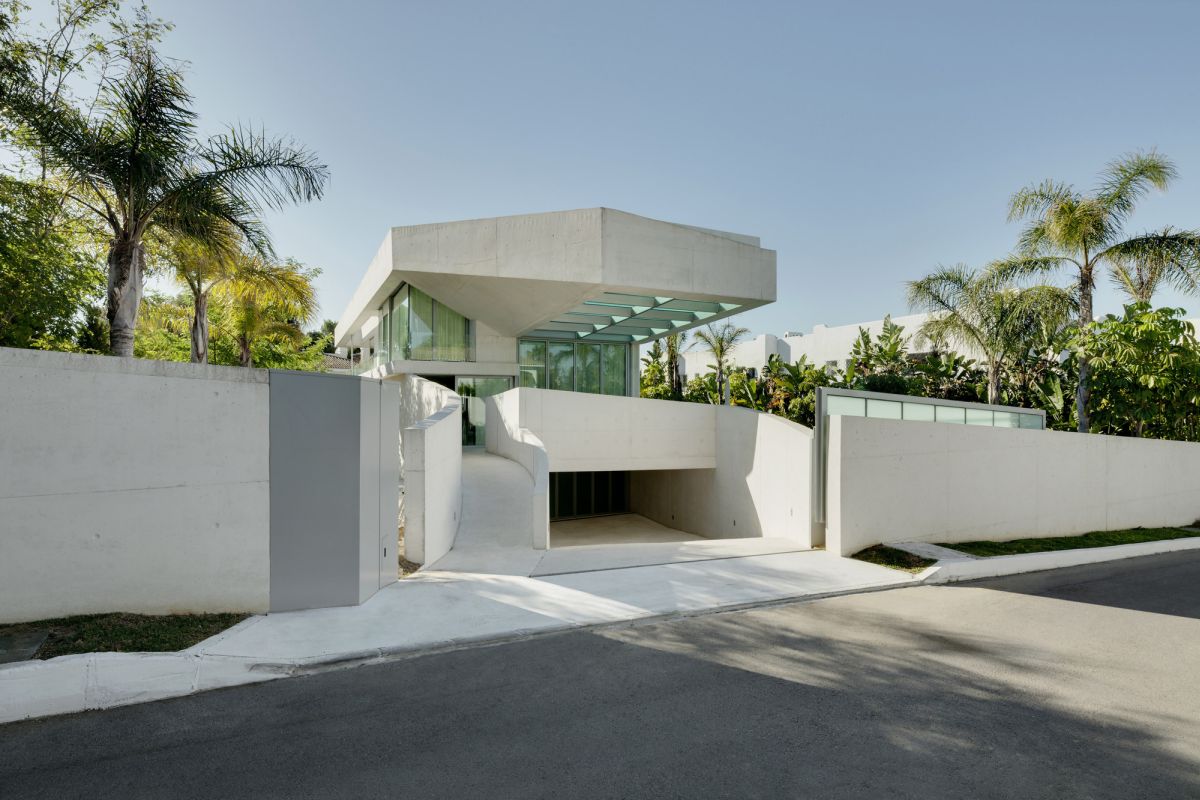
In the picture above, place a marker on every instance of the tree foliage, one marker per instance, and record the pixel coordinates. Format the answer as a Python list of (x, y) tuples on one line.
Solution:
[(1146, 373), (49, 268)]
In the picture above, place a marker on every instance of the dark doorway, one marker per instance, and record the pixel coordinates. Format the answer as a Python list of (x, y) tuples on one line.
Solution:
[(588, 494)]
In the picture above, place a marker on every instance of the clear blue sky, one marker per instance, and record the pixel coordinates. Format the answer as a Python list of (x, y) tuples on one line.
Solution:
[(865, 142)]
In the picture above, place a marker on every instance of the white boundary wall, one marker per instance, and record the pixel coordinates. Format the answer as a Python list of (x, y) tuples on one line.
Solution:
[(895, 481), (130, 485), (157, 487), (431, 443)]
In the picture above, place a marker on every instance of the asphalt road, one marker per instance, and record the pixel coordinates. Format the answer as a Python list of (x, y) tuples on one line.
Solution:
[(1081, 683)]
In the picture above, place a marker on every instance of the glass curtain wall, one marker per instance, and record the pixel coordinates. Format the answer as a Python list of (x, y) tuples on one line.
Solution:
[(574, 366), (415, 327)]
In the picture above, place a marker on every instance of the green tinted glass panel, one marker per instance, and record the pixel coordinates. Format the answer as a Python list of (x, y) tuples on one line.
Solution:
[(836, 406), (954, 414), (920, 412), (451, 334), (1031, 421), (976, 416), (399, 335), (587, 368), (884, 409), (561, 366), (531, 354), (1006, 419), (420, 316), (614, 368)]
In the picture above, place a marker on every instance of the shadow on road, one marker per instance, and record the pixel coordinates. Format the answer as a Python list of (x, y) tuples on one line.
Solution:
[(1161, 584), (858, 697)]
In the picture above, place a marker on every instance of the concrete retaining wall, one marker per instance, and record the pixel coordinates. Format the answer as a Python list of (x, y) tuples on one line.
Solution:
[(716, 471), (759, 487), (432, 448), (894, 481), (506, 437), (583, 432), (146, 486)]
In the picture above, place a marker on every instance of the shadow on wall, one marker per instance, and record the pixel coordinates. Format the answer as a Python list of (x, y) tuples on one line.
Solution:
[(761, 486)]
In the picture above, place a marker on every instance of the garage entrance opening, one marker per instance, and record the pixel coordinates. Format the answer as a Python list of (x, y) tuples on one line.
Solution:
[(588, 494)]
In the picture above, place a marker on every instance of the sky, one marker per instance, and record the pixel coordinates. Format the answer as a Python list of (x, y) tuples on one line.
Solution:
[(865, 142)]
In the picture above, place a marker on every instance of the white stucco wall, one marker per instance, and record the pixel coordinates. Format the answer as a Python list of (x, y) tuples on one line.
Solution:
[(892, 481), (432, 468), (131, 486)]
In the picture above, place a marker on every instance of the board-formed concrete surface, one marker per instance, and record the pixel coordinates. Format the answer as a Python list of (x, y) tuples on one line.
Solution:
[(1070, 684)]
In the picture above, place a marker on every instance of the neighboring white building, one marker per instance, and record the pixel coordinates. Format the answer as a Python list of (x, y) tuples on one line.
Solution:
[(824, 346)]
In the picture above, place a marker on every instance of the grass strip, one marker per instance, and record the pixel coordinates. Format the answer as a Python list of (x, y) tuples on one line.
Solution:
[(124, 633), (891, 557), (1045, 545)]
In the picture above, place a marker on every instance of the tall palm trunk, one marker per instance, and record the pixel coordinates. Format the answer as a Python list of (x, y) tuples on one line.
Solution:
[(993, 380), (1082, 389), (126, 262), (199, 328), (244, 351)]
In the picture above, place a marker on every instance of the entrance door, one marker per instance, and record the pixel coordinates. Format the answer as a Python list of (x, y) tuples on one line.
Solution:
[(473, 390)]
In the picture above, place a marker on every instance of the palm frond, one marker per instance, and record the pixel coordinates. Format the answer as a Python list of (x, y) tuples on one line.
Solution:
[(1129, 178)]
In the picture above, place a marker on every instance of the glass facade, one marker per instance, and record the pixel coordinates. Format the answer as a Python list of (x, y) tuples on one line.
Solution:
[(415, 327), (574, 366)]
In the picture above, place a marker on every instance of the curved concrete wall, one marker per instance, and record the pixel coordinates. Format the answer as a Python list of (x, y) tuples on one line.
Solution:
[(895, 481), (431, 445), (506, 437)]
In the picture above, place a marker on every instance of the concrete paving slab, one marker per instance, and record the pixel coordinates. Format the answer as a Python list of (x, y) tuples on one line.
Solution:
[(614, 529), (434, 609), (597, 558)]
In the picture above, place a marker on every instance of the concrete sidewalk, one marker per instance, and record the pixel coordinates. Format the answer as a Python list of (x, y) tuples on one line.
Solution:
[(428, 611)]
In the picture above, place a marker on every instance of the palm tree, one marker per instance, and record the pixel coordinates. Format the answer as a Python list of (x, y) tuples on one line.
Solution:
[(265, 299), (201, 269), (720, 340), (677, 343), (138, 166), (985, 311), (1140, 273), (1085, 232)]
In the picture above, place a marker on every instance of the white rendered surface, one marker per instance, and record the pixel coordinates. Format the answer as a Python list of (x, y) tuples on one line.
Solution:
[(898, 481)]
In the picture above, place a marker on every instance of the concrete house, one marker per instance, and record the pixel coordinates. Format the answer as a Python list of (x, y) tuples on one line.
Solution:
[(525, 331)]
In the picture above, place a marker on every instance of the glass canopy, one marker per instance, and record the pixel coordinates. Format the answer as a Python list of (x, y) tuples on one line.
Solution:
[(620, 317)]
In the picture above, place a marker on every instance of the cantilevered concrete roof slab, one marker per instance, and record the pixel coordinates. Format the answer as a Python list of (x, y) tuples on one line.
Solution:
[(596, 274)]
